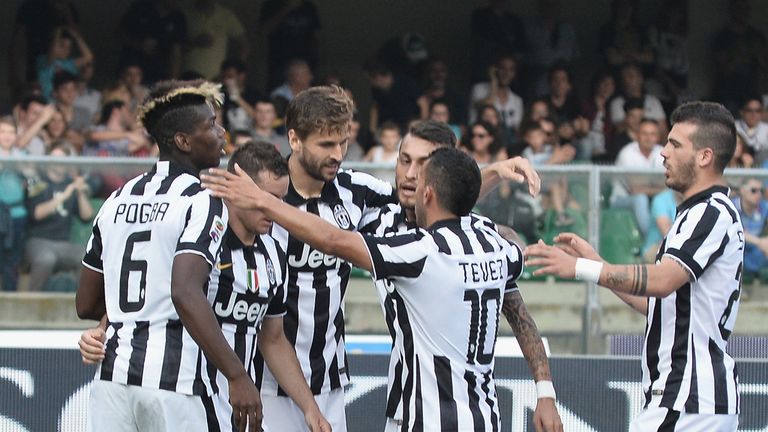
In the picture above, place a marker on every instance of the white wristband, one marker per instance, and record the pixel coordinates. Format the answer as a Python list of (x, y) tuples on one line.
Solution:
[(588, 270), (545, 389)]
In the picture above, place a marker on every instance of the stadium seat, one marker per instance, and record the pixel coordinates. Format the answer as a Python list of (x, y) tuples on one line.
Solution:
[(620, 239), (359, 273), (81, 231)]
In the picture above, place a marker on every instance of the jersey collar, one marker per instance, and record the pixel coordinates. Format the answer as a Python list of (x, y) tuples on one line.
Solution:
[(233, 242), (701, 196), (173, 169), (329, 195), (453, 222)]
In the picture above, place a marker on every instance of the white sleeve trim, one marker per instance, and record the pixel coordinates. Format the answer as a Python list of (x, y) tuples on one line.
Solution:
[(97, 270), (690, 272), (193, 252)]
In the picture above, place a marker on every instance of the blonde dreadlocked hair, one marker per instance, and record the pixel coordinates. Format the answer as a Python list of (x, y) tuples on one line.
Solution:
[(169, 108)]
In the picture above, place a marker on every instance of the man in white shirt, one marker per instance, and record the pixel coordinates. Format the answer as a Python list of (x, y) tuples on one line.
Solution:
[(632, 193)]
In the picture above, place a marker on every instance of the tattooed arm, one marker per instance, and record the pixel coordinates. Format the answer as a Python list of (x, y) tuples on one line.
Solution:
[(527, 335), (639, 280), (545, 417), (646, 280)]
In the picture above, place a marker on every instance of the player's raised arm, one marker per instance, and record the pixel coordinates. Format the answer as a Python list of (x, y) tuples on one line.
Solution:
[(516, 168), (240, 190), (642, 280)]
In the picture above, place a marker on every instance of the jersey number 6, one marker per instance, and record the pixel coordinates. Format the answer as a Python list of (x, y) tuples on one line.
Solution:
[(131, 265)]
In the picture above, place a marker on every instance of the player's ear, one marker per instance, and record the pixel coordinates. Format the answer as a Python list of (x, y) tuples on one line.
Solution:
[(706, 157), (181, 141), (429, 194), (294, 140)]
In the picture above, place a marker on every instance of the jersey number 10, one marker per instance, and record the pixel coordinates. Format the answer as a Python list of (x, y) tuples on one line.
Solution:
[(478, 324)]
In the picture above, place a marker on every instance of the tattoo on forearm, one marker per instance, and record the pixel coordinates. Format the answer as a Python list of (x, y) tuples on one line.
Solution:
[(527, 335), (637, 283), (640, 280), (616, 279)]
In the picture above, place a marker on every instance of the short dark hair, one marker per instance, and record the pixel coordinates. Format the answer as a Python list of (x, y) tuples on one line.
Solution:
[(749, 98), (172, 106), (388, 125), (649, 120), (106, 110), (29, 99), (438, 133), (633, 103), (715, 129), (256, 156), (455, 177), (233, 63), (319, 109), (439, 101), (376, 68), (64, 77), (557, 67)]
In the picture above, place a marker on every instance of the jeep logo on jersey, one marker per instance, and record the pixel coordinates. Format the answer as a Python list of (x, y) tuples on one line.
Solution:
[(312, 259), (237, 308), (271, 272), (341, 216)]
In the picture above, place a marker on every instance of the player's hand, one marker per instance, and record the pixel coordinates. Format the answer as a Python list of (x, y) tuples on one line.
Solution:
[(552, 260), (246, 404), (576, 246), (92, 345), (316, 422), (518, 169), (546, 417), (239, 188)]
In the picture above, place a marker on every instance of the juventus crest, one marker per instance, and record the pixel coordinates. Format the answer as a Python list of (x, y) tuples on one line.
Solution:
[(341, 216)]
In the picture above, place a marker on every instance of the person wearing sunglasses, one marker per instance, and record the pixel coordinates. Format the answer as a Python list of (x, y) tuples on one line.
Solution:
[(753, 209), (753, 129)]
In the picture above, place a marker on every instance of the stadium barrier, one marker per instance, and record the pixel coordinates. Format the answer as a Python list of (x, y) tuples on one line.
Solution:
[(44, 387)]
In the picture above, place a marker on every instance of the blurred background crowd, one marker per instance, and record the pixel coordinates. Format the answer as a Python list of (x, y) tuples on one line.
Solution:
[(523, 89)]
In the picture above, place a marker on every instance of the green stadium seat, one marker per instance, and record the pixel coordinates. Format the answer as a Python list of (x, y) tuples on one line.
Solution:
[(359, 273), (81, 231), (620, 239)]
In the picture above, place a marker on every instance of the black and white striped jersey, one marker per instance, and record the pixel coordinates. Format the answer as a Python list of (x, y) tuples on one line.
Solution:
[(317, 283), (136, 236), (245, 286), (446, 286), (392, 221), (685, 364)]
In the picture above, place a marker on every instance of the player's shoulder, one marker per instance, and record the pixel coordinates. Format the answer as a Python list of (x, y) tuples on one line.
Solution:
[(479, 220), (350, 178)]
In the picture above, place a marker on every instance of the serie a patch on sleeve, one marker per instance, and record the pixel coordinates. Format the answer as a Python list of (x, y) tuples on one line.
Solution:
[(217, 229)]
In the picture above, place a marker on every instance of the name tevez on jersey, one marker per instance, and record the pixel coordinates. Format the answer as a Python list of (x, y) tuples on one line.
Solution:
[(447, 344), (138, 232)]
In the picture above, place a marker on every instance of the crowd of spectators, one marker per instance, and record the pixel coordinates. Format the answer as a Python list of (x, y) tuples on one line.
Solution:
[(523, 99)]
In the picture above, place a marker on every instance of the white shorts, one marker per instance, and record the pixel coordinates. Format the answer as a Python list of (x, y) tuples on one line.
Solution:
[(658, 419), (129, 408), (281, 414)]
